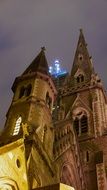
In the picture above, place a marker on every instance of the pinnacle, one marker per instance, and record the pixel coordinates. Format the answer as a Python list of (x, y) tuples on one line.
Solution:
[(43, 48), (82, 58), (81, 30), (39, 64)]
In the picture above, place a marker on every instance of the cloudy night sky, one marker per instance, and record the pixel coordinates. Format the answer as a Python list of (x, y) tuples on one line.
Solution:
[(26, 25)]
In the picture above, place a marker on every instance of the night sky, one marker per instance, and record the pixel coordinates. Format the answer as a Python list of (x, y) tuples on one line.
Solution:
[(26, 25)]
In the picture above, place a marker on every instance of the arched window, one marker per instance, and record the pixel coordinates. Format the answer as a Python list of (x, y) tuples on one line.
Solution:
[(17, 126), (80, 57), (6, 183), (22, 90), (84, 124), (47, 97), (28, 89), (80, 78), (76, 125), (81, 124), (87, 156), (48, 100)]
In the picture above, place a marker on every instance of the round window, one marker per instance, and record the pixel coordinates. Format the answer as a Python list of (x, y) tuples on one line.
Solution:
[(18, 163)]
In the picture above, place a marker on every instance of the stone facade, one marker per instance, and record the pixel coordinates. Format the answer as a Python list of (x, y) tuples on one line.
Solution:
[(52, 136)]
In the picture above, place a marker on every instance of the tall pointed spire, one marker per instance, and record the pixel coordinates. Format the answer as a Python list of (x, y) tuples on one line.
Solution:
[(82, 60), (39, 64)]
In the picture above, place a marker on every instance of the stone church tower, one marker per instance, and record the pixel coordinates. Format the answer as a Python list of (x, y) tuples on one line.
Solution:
[(56, 136), (85, 103)]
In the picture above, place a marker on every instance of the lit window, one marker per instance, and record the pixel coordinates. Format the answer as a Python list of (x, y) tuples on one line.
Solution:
[(17, 126)]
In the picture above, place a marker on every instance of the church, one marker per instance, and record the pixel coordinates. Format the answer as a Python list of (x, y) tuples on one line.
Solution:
[(55, 136)]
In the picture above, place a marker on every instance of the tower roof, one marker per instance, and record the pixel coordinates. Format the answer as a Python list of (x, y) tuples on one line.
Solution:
[(82, 60), (38, 64)]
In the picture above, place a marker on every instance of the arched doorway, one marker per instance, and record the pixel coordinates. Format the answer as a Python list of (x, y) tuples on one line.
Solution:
[(68, 176)]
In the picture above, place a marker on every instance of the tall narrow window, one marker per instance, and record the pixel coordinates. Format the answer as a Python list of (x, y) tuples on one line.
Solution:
[(84, 124), (87, 156), (22, 90), (80, 78), (28, 89), (17, 126), (48, 100), (81, 123), (76, 125)]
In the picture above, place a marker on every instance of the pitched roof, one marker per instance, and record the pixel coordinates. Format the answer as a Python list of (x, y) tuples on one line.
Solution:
[(82, 60), (39, 64)]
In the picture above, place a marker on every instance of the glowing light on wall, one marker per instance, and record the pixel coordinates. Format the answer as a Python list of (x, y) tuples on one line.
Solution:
[(56, 70), (10, 154)]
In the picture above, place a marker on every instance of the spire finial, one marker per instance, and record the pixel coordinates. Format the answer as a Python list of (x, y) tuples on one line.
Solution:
[(43, 48), (81, 30)]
